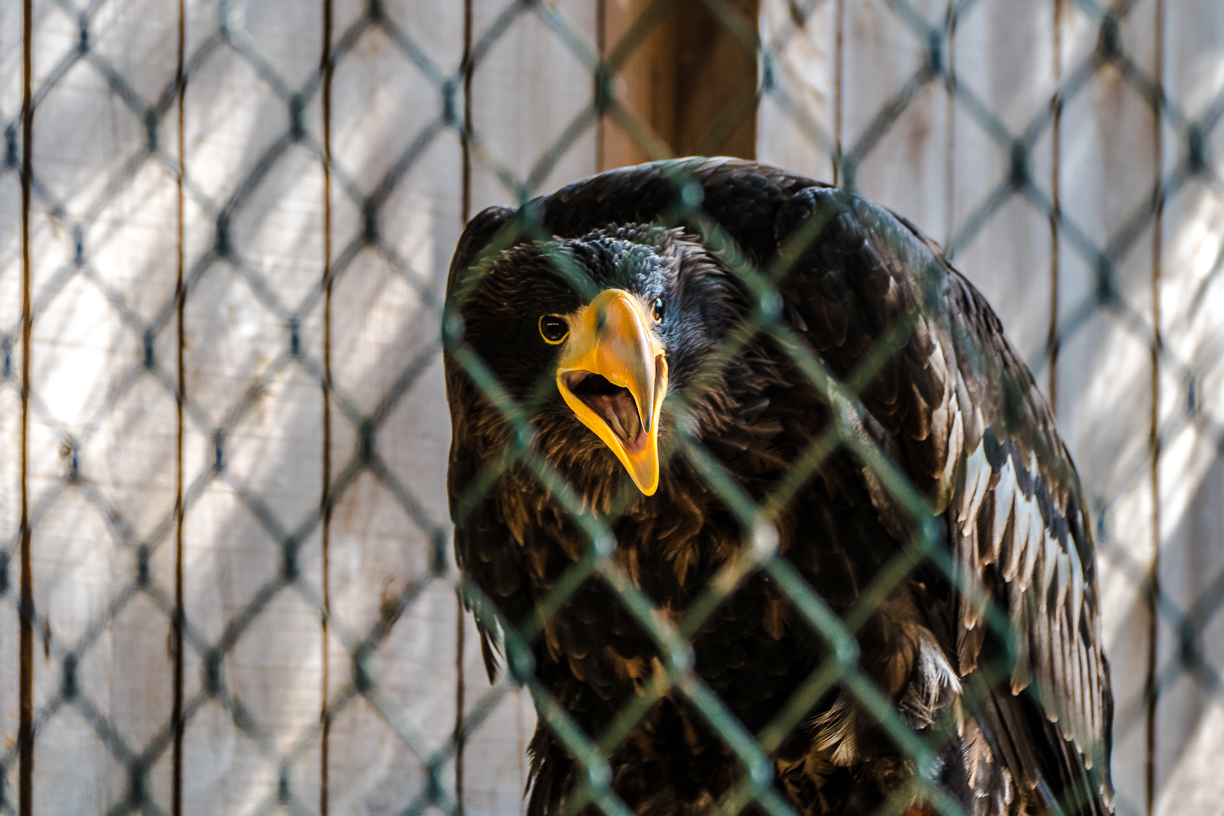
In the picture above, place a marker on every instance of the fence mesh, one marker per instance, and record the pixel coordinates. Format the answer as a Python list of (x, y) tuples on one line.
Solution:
[(304, 103)]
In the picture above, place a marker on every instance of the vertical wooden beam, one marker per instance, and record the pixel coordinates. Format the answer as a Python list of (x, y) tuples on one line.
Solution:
[(839, 65), (686, 75), (325, 497), (25, 732), (465, 213), (1151, 689), (1107, 150), (180, 401)]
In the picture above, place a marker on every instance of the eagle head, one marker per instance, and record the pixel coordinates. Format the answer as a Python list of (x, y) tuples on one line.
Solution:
[(594, 333)]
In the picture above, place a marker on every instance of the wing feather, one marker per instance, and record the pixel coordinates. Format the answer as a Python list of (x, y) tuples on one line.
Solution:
[(1011, 521), (1006, 520)]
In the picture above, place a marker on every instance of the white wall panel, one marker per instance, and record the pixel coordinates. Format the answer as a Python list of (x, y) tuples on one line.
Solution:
[(105, 357)]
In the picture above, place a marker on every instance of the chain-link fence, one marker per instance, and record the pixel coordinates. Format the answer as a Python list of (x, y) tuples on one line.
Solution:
[(226, 579)]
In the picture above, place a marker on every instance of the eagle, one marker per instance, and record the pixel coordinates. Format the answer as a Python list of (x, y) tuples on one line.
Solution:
[(711, 374)]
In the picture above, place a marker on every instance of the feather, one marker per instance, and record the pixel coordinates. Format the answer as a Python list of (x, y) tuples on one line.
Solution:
[(976, 481), (933, 684), (1077, 592), (952, 459), (1019, 563), (1005, 522), (1062, 582), (1021, 612), (1049, 563)]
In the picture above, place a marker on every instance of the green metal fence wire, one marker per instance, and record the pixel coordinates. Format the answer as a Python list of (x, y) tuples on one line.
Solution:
[(758, 553)]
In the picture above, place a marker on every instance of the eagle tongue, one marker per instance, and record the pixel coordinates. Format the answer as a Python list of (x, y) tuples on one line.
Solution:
[(623, 417)]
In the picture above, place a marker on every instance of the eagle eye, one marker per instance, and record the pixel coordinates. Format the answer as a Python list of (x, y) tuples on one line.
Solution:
[(656, 310), (553, 329)]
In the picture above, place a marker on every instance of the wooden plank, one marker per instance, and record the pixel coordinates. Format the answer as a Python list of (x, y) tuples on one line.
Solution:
[(385, 332), (10, 401), (10, 96), (904, 166), (516, 130), (415, 672), (1188, 737), (690, 81), (717, 73), (1000, 240), (103, 450), (797, 116), (1108, 159), (10, 517), (495, 758), (645, 84), (241, 376)]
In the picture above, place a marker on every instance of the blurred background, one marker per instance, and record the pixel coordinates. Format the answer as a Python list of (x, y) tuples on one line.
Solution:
[(229, 223)]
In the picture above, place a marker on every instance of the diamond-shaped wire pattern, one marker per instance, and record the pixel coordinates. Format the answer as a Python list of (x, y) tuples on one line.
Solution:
[(243, 596)]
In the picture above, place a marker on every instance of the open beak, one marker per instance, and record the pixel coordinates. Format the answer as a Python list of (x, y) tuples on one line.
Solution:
[(613, 375)]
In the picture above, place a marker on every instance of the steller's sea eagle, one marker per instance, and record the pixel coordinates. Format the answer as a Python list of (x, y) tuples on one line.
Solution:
[(664, 331)]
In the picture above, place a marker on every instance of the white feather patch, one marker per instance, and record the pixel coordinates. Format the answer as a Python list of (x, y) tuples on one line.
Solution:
[(1032, 544), (956, 443), (1077, 590), (977, 480), (1005, 493), (836, 731), (1020, 540), (933, 685)]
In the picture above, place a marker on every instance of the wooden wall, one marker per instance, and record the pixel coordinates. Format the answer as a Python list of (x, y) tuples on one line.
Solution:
[(263, 325), (1143, 427), (685, 82)]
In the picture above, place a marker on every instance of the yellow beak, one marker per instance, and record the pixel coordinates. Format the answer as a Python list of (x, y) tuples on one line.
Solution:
[(613, 376)]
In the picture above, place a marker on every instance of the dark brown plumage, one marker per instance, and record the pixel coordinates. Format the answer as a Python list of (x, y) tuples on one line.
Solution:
[(952, 406)]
